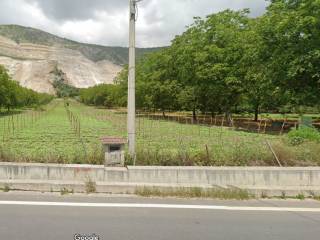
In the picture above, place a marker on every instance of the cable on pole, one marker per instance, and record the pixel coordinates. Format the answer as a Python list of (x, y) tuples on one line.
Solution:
[(134, 9)]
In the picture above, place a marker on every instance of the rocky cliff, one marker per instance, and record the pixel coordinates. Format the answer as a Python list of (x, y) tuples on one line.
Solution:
[(32, 65), (32, 55)]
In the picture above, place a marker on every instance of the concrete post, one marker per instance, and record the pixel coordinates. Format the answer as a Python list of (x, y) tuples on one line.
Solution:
[(131, 82)]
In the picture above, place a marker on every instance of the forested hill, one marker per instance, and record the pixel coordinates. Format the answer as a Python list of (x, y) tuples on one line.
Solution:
[(117, 55)]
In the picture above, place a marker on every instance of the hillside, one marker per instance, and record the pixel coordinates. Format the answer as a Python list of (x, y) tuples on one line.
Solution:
[(32, 57), (117, 55)]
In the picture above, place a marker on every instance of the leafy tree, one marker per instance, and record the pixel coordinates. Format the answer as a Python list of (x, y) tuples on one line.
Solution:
[(229, 61), (63, 90), (291, 30), (12, 95)]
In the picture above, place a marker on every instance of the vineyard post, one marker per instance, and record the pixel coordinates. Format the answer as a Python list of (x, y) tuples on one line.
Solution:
[(4, 128), (283, 125), (8, 126), (12, 121), (259, 129), (79, 129), (139, 122), (18, 121)]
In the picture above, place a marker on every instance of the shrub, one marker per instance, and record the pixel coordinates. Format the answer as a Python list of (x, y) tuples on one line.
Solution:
[(301, 196), (298, 136), (90, 186), (65, 191), (6, 188)]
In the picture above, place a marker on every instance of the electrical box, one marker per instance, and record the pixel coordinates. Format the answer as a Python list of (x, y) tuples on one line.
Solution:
[(114, 151)]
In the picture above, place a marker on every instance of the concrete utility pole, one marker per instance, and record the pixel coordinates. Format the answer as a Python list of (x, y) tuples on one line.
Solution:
[(132, 79)]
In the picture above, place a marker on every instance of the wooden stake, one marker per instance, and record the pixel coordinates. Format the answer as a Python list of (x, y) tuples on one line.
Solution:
[(274, 153), (259, 126), (283, 125)]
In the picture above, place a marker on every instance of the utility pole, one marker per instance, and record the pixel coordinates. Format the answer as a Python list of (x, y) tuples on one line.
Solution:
[(132, 79)]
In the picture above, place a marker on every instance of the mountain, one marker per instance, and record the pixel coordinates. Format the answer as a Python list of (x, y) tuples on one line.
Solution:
[(32, 56)]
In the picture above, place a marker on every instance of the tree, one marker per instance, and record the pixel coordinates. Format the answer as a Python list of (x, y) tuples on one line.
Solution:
[(208, 54), (291, 30), (228, 61), (7, 90), (12, 95)]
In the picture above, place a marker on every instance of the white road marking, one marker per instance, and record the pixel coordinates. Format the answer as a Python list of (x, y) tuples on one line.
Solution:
[(160, 206)]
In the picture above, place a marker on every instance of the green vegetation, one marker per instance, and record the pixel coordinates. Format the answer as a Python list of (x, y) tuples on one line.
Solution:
[(226, 65), (298, 136), (47, 136), (91, 187), (229, 63), (224, 194), (63, 90), (65, 191), (12, 95), (301, 196), (6, 188), (70, 132), (103, 95), (117, 55)]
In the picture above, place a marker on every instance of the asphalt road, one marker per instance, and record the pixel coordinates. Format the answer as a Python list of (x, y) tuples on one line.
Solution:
[(52, 217)]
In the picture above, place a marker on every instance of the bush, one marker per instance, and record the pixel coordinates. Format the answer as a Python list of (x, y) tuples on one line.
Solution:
[(298, 136), (90, 186)]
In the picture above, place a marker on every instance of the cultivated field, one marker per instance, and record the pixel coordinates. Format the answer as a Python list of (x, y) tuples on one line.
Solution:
[(71, 134)]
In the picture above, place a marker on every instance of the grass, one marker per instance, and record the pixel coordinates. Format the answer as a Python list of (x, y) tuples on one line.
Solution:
[(224, 194), (288, 116), (298, 136), (6, 188), (64, 191), (301, 196), (90, 186), (48, 136)]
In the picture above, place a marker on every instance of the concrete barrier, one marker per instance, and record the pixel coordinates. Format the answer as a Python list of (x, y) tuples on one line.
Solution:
[(34, 171), (256, 179)]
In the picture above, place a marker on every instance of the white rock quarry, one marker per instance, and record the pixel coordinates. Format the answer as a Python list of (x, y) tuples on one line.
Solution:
[(32, 66)]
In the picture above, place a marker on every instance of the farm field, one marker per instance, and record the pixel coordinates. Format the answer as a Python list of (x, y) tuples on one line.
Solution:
[(71, 134), (275, 124)]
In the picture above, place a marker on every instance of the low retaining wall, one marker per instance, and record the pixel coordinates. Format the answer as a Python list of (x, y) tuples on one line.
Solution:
[(307, 179)]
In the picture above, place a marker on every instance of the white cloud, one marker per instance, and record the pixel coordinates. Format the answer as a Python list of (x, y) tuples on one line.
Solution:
[(106, 21), (87, 30)]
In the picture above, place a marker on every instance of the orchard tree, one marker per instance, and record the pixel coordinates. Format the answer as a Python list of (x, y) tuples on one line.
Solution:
[(291, 30), (12, 95)]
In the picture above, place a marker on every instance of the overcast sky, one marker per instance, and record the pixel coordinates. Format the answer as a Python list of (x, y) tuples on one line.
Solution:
[(106, 21)]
